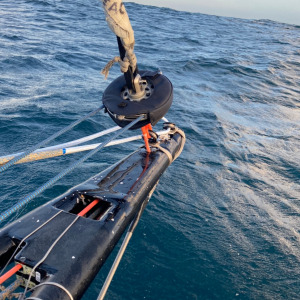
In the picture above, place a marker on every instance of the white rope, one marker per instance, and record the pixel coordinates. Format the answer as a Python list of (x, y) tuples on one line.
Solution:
[(59, 150), (128, 61), (26, 237), (46, 255), (49, 139), (54, 284), (124, 65), (166, 151), (181, 132), (6, 158), (113, 143), (85, 139), (4, 215)]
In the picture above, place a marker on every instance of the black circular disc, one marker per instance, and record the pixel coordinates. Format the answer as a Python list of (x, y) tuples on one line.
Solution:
[(153, 108)]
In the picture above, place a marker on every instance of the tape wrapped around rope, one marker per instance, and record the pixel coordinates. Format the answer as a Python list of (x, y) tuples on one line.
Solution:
[(118, 21)]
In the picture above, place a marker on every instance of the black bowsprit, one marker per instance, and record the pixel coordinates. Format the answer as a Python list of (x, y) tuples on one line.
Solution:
[(153, 105), (60, 247)]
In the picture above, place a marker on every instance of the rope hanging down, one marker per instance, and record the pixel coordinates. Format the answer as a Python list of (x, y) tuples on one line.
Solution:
[(31, 196), (118, 21)]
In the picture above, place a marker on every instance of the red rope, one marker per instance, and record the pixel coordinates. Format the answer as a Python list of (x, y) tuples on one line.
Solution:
[(11, 272), (18, 267), (88, 208), (146, 136)]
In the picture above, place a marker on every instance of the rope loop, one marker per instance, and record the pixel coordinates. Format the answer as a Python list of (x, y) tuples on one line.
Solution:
[(173, 129)]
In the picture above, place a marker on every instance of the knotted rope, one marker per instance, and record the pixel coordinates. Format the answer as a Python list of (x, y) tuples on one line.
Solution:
[(128, 61), (119, 23)]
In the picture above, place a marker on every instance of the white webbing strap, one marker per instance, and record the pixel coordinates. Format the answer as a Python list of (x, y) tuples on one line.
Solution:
[(118, 21), (181, 132), (166, 151)]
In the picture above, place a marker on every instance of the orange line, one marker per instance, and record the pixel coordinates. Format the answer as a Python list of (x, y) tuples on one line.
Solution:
[(146, 136), (16, 268), (11, 272), (149, 126), (88, 208)]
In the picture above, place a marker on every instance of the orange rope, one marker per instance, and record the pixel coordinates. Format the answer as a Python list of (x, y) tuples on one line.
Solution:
[(149, 127), (11, 272), (88, 208), (146, 136), (18, 267)]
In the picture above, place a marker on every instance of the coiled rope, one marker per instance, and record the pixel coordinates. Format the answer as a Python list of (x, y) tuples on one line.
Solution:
[(49, 139), (52, 181)]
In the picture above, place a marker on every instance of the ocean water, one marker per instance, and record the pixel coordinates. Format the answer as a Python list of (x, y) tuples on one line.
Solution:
[(224, 221)]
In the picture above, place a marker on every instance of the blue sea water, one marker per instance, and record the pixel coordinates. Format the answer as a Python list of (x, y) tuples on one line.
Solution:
[(224, 221)]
